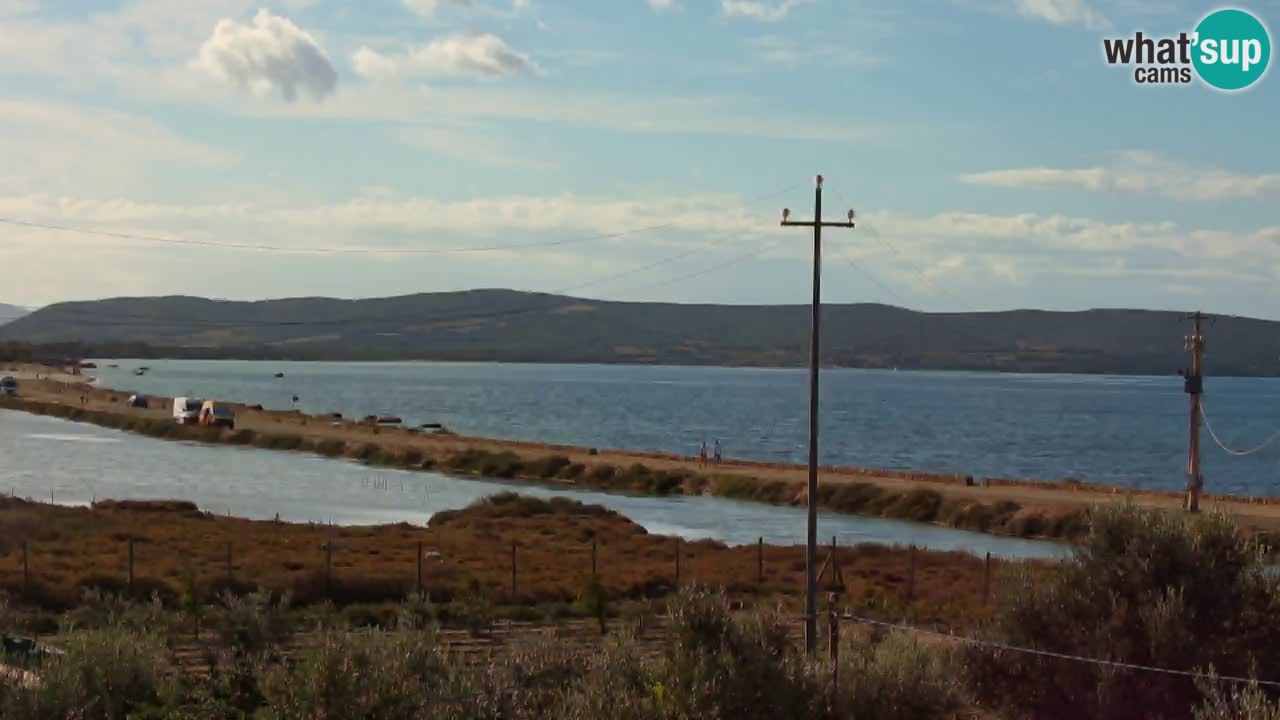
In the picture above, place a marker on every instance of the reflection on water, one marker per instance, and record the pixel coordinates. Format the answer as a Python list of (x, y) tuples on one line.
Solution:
[(78, 463)]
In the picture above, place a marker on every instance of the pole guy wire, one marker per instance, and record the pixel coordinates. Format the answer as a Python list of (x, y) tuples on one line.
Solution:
[(1238, 453), (1056, 655)]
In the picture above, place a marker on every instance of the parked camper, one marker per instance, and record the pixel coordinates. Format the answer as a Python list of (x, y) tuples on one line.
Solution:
[(8, 386), (216, 414), (186, 410)]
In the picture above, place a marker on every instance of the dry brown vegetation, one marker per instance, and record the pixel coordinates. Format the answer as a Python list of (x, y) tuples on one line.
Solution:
[(179, 549)]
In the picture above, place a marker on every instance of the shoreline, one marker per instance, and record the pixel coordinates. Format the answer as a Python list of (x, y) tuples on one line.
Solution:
[(793, 368), (996, 506)]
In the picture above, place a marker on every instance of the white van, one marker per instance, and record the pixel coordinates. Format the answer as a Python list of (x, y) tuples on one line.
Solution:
[(186, 410)]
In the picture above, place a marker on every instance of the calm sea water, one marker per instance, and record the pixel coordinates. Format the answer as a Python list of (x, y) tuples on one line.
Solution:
[(1128, 431), (75, 463)]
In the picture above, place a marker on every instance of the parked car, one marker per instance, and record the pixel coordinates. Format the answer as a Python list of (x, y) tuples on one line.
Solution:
[(8, 386), (137, 401), (186, 410), (216, 414)]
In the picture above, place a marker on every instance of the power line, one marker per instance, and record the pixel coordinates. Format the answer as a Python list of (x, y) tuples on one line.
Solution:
[(1238, 453), (262, 247), (1057, 656), (916, 269), (905, 304), (331, 250), (736, 260)]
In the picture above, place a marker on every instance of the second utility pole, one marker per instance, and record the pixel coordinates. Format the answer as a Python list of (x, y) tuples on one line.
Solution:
[(811, 539), (1194, 386)]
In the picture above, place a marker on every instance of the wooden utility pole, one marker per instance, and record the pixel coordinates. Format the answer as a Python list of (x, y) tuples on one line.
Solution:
[(811, 538), (1193, 384)]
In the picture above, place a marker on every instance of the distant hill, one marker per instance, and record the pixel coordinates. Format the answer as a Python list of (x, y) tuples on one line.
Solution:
[(503, 325), (9, 313)]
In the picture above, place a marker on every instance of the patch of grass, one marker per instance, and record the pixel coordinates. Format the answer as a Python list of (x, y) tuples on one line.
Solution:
[(331, 448), (547, 467), (160, 506), (242, 437), (572, 471), (602, 475), (855, 498), (1027, 525), (1069, 525), (483, 462), (279, 442), (919, 505)]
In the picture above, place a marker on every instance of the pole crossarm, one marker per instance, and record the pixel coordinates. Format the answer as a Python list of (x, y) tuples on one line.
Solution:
[(810, 223)]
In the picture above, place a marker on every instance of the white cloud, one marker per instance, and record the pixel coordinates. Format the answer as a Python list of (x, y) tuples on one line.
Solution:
[(271, 56), (757, 10), (1063, 12), (1138, 172), (485, 55), (661, 5)]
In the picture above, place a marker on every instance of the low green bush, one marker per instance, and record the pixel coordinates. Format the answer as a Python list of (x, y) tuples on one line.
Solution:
[(108, 674)]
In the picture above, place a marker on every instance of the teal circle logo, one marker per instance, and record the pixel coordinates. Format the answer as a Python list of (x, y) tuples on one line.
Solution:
[(1232, 49)]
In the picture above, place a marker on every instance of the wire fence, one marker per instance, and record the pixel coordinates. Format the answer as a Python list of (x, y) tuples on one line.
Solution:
[(342, 570)]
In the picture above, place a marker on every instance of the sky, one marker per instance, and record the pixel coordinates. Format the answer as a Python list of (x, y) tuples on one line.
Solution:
[(630, 150)]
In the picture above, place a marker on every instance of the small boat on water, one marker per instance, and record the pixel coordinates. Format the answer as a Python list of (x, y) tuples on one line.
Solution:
[(140, 372), (279, 375)]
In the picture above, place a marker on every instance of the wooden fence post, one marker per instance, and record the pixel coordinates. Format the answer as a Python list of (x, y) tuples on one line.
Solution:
[(833, 636), (677, 564), (986, 580), (130, 566), (911, 576), (418, 585), (594, 572), (513, 571), (328, 568), (760, 562)]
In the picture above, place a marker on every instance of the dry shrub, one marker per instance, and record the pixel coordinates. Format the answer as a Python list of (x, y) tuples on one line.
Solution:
[(1149, 588)]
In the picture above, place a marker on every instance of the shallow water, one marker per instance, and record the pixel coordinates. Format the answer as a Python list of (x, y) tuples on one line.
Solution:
[(42, 457)]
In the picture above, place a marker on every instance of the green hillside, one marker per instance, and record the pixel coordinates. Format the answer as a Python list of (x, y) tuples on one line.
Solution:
[(503, 325)]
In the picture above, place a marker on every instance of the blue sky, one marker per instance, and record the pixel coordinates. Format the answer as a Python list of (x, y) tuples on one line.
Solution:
[(994, 159)]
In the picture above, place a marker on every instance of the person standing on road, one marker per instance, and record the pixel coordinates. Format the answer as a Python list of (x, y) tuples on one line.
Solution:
[(717, 452), (702, 455)]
